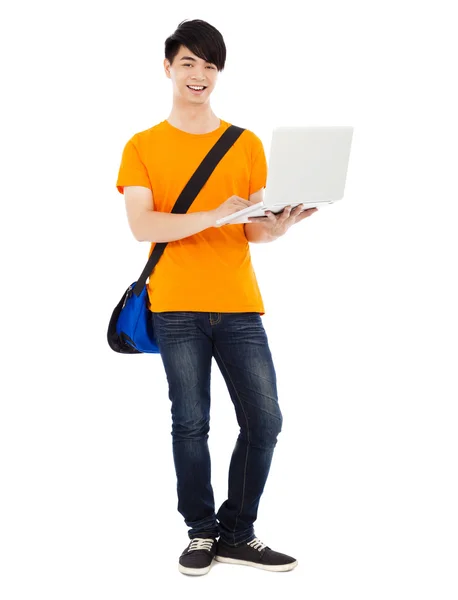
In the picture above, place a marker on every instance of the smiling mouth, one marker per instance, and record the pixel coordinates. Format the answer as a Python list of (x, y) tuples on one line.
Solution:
[(197, 88)]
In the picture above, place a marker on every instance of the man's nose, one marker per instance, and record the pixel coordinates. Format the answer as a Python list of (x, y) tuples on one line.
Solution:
[(198, 75)]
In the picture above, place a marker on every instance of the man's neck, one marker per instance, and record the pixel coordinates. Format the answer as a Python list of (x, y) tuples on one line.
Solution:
[(194, 119)]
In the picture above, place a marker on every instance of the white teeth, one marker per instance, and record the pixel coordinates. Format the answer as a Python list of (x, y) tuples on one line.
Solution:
[(195, 87)]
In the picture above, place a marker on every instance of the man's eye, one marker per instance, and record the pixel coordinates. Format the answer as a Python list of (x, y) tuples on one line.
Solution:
[(190, 65)]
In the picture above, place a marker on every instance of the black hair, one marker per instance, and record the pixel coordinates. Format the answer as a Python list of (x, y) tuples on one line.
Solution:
[(204, 40)]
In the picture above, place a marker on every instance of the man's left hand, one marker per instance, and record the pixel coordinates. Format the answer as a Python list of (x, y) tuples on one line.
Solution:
[(278, 224)]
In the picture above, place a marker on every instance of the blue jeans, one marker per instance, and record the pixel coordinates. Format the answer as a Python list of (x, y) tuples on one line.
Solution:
[(188, 341)]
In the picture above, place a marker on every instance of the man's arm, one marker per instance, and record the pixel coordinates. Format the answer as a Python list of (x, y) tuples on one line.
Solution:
[(256, 232), (148, 225)]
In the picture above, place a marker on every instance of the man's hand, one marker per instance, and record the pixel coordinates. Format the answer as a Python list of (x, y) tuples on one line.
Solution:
[(278, 224), (228, 207)]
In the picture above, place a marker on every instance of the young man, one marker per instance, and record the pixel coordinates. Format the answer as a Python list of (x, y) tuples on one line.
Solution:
[(205, 301)]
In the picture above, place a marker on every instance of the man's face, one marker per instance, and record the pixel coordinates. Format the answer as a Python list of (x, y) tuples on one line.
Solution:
[(189, 70)]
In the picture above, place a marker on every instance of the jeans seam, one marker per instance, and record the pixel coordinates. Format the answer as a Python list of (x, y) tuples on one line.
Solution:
[(217, 321), (248, 440)]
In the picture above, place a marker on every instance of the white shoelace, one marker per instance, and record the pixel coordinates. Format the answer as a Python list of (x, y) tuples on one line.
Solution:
[(256, 544), (201, 544)]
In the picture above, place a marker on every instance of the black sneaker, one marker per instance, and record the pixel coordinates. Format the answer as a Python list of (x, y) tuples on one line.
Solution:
[(254, 554), (197, 558)]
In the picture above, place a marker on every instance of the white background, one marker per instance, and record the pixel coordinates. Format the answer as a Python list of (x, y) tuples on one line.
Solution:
[(360, 305)]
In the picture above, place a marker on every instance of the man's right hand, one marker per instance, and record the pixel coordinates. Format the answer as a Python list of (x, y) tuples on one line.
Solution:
[(229, 207)]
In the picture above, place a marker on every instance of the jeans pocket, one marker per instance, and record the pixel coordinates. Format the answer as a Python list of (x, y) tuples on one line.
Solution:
[(174, 324)]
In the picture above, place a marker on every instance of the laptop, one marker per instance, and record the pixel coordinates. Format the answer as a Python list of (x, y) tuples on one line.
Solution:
[(307, 165)]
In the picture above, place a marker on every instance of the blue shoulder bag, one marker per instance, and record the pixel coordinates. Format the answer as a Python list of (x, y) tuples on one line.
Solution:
[(130, 330)]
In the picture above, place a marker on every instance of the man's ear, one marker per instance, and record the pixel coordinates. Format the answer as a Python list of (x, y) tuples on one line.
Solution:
[(167, 67)]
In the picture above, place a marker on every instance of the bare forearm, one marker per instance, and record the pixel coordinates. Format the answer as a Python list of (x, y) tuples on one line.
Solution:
[(155, 226), (257, 233)]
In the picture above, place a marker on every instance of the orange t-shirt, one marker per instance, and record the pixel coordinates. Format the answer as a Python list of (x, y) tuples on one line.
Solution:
[(210, 271)]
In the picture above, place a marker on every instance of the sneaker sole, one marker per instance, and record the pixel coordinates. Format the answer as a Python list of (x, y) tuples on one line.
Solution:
[(189, 571), (235, 561)]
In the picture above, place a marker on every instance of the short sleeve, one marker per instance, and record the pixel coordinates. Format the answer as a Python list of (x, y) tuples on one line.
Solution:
[(132, 170), (258, 176)]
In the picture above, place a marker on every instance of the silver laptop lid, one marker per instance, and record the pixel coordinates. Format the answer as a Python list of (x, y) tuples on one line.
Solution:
[(308, 164)]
